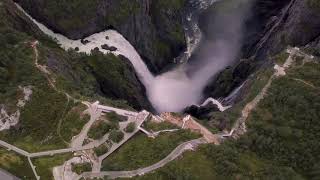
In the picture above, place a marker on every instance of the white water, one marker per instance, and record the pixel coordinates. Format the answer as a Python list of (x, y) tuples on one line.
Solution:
[(97, 40), (168, 92), (173, 91), (216, 102)]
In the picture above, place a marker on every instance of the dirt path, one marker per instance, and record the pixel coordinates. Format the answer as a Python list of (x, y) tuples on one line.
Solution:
[(41, 68), (306, 83)]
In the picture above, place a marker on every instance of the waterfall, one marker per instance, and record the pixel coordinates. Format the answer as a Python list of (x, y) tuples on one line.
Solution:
[(171, 91), (233, 95)]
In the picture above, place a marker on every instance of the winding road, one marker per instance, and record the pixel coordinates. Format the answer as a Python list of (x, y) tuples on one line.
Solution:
[(95, 110)]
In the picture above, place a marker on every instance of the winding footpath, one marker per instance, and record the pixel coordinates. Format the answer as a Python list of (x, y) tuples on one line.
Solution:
[(239, 127)]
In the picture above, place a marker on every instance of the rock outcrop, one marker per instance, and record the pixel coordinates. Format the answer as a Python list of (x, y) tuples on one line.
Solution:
[(299, 27)]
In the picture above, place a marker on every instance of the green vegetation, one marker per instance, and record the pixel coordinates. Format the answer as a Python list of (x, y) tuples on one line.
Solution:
[(152, 126), (281, 58), (221, 162), (164, 16), (142, 151), (76, 14), (114, 117), (120, 12), (255, 84), (80, 168), (44, 165), (73, 123), (314, 4), (285, 126), (107, 123), (39, 121), (308, 73), (282, 138), (116, 136), (116, 78), (102, 149), (15, 164), (49, 119), (130, 127), (100, 128)]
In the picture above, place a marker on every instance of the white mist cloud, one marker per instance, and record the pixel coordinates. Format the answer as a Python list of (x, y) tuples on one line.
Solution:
[(175, 90)]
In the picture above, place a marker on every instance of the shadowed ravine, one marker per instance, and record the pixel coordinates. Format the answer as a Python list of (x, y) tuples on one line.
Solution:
[(183, 86)]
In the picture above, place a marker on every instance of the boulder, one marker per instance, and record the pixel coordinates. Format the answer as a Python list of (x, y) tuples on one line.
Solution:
[(109, 48), (202, 112), (84, 41)]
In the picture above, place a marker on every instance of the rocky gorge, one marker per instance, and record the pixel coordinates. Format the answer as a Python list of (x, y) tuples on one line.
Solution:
[(148, 24)]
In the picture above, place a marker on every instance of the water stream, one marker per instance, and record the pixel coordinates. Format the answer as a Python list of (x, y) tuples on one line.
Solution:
[(174, 90)]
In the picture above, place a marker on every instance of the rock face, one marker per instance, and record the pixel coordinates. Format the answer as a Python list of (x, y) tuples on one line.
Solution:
[(154, 27), (19, 21), (202, 112), (300, 26), (118, 80), (272, 26)]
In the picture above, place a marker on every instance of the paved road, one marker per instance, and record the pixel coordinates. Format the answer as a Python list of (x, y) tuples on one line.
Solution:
[(14, 148), (4, 175), (117, 110), (94, 115), (127, 174)]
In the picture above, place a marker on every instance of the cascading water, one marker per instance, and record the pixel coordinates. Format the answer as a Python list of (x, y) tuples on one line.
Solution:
[(183, 86), (171, 91)]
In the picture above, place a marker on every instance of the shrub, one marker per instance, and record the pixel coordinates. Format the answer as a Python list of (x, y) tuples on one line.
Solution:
[(116, 136), (130, 127), (80, 168), (114, 117)]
